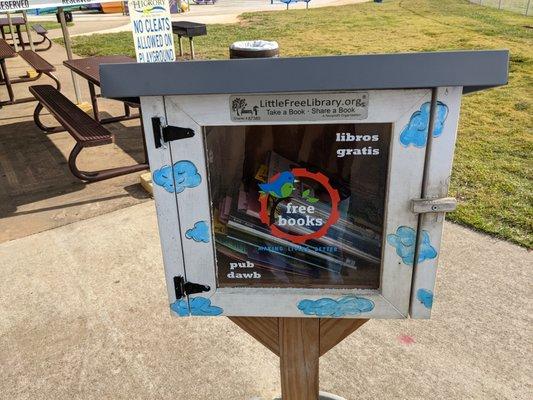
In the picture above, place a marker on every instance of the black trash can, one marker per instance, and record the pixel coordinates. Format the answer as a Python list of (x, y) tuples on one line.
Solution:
[(68, 17), (254, 49)]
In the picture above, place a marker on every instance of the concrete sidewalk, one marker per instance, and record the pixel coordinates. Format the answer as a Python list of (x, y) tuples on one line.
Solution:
[(84, 315)]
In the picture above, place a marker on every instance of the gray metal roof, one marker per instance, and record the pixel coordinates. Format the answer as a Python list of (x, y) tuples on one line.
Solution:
[(474, 70)]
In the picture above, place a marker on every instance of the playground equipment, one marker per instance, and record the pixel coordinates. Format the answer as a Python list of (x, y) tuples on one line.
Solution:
[(287, 2)]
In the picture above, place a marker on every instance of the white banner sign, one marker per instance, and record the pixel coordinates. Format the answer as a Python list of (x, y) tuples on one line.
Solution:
[(18, 5), (152, 30)]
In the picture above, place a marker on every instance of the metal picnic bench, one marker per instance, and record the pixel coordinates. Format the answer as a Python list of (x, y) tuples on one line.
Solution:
[(43, 33), (17, 22), (39, 64), (6, 52), (86, 131)]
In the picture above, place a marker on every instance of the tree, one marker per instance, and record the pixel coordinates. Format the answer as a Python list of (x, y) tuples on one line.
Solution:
[(238, 104)]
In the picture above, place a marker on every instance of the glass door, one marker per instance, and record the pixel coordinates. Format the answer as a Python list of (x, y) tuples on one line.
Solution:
[(298, 205)]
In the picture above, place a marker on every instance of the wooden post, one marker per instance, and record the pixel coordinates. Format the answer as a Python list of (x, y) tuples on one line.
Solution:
[(28, 31), (12, 31), (299, 351), (68, 49), (299, 343)]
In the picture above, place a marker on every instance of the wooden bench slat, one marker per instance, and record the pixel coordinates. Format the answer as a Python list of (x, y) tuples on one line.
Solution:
[(82, 127), (36, 61)]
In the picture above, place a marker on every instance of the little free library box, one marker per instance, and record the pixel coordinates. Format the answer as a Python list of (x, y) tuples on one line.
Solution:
[(303, 187)]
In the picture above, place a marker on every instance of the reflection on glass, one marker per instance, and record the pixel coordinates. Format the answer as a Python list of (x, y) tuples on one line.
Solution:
[(298, 205)]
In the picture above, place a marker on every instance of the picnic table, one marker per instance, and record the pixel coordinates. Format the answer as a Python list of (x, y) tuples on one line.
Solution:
[(89, 69), (17, 22), (82, 128), (40, 65), (189, 30), (86, 131), (40, 30), (6, 52)]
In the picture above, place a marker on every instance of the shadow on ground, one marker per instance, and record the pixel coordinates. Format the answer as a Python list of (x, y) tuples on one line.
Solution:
[(37, 182)]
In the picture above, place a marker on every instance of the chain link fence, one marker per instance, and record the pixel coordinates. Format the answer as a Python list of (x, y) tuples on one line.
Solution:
[(519, 6)]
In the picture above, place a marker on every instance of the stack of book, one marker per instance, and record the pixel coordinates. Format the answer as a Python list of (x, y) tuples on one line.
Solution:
[(333, 258)]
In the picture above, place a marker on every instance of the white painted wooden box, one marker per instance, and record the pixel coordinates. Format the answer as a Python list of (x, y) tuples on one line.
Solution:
[(311, 187)]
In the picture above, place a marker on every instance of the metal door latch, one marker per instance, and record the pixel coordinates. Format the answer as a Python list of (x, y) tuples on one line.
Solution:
[(167, 133), (442, 205), (182, 288)]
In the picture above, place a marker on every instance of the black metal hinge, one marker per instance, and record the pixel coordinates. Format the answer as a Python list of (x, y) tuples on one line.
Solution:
[(168, 133), (183, 288)]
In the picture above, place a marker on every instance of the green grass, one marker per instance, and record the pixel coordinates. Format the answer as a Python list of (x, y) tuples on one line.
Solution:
[(492, 175), (49, 25)]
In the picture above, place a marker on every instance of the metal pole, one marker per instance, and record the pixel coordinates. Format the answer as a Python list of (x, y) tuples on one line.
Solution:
[(527, 7), (425, 175), (30, 39), (192, 47), (429, 142), (500, 5), (12, 31), (68, 48)]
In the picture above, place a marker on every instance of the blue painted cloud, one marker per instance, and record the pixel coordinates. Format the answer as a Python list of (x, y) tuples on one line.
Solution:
[(185, 176), (415, 132), (404, 242), (200, 232), (326, 307), (199, 306), (425, 296), (180, 307)]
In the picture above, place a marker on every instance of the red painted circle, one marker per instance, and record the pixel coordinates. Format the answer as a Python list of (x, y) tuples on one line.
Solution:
[(333, 217)]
